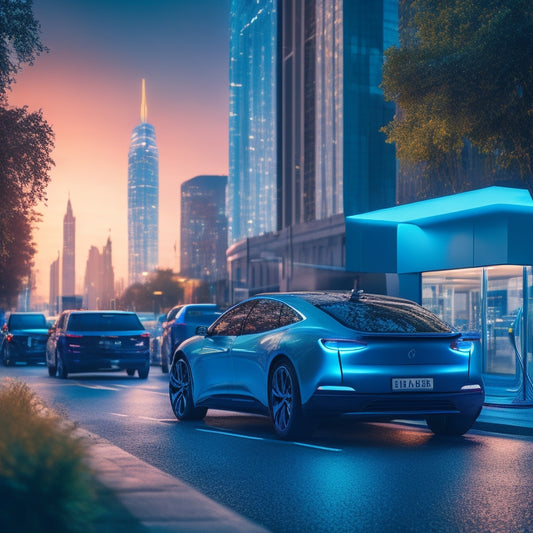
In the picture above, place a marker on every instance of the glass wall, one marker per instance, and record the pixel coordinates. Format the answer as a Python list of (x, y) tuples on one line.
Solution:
[(494, 302)]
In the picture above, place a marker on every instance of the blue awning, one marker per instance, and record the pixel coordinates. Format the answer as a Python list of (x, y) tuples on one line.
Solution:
[(491, 226)]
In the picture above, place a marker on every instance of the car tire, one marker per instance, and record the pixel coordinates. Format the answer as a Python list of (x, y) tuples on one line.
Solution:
[(285, 402), (180, 391), (164, 362), (130, 371), (143, 372), (6, 359), (451, 425), (52, 370), (62, 371)]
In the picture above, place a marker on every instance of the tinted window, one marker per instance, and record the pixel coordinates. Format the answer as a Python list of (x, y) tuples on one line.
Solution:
[(288, 316), (172, 313), (202, 316), (104, 322), (375, 314), (263, 317), (230, 323), (268, 315), (27, 322)]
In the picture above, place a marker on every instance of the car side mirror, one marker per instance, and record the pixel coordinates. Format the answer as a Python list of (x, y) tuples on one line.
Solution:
[(201, 330)]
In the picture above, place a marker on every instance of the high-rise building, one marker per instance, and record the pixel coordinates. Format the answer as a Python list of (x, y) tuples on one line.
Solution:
[(53, 301), (143, 198), (108, 277), (252, 187), (99, 278), (329, 158), (68, 275), (204, 228)]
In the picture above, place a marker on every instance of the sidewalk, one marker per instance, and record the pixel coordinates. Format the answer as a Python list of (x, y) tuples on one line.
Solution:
[(143, 499), (508, 420)]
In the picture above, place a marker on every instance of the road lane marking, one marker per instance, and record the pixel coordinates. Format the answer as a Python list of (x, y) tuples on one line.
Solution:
[(97, 387), (251, 437)]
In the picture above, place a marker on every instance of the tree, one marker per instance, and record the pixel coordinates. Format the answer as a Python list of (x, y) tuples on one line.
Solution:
[(146, 297), (26, 143), (19, 40), (463, 73)]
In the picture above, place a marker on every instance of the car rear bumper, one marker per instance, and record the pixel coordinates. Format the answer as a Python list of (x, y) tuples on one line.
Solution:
[(107, 363), (394, 405)]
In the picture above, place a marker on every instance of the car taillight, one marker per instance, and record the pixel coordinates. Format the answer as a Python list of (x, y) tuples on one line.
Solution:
[(71, 336), (147, 334), (462, 345), (9, 337), (341, 345)]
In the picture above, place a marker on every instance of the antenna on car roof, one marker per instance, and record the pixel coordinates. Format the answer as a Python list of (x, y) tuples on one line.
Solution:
[(356, 294)]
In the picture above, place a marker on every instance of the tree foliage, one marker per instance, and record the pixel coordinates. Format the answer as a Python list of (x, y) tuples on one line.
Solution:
[(26, 143), (141, 297), (19, 40), (463, 72)]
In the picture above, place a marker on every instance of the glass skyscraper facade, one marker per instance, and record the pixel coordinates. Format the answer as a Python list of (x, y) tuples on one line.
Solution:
[(143, 199), (204, 233), (252, 185), (329, 156)]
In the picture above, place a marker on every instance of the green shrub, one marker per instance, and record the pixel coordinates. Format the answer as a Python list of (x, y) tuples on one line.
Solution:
[(45, 483)]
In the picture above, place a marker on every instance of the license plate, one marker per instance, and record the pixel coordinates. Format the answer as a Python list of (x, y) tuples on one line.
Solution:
[(412, 384), (109, 344)]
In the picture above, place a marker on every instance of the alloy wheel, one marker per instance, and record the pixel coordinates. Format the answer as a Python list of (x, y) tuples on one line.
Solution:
[(180, 388), (282, 398)]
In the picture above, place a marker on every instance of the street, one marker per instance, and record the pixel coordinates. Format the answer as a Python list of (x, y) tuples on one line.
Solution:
[(355, 477)]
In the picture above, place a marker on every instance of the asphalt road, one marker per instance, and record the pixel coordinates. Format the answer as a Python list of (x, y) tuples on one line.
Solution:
[(363, 477)]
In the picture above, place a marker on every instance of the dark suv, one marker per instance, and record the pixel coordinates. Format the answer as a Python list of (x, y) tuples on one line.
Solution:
[(24, 338), (98, 341)]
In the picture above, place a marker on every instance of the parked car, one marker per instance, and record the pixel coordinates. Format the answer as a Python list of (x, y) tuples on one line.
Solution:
[(98, 341), (181, 324), (155, 340), (300, 356), (24, 338)]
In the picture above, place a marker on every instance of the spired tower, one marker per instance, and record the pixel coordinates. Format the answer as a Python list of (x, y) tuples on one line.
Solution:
[(143, 198), (68, 281)]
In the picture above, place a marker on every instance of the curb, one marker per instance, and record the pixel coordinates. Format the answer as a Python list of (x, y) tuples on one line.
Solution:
[(160, 502)]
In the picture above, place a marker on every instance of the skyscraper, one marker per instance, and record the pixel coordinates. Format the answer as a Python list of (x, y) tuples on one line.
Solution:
[(252, 188), (204, 228), (99, 278), (53, 302), (328, 157), (143, 198), (68, 283)]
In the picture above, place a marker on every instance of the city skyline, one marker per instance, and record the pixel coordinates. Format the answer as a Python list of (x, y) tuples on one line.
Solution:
[(87, 87)]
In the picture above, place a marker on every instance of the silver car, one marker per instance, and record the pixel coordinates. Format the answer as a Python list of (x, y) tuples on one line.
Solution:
[(299, 356)]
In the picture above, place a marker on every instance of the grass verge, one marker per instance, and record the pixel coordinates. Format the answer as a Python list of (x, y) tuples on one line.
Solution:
[(45, 482)]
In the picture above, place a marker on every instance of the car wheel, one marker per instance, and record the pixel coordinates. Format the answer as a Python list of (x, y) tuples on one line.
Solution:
[(164, 363), (130, 371), (143, 372), (451, 425), (6, 357), (180, 391), (5, 360), (52, 370), (285, 403), (61, 369)]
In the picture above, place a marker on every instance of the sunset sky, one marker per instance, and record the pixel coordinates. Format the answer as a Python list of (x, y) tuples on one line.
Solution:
[(89, 89)]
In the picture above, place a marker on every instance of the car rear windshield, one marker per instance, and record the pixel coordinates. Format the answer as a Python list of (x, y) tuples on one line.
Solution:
[(27, 322), (202, 315), (104, 322), (375, 314)]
